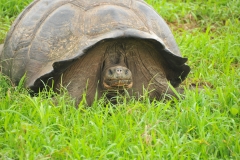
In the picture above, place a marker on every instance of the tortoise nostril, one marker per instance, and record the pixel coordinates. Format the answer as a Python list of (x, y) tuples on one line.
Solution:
[(119, 70)]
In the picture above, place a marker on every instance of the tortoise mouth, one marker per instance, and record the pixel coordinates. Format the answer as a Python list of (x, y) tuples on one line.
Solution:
[(117, 84)]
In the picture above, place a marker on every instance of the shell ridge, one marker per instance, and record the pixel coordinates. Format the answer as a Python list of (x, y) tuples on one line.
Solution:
[(94, 5)]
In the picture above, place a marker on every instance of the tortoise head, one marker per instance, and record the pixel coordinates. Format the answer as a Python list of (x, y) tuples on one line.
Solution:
[(116, 74)]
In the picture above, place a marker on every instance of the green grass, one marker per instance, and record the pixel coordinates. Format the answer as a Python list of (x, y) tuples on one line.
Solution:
[(9, 9), (203, 125)]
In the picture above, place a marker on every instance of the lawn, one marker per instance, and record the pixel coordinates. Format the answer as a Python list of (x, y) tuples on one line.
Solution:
[(204, 124)]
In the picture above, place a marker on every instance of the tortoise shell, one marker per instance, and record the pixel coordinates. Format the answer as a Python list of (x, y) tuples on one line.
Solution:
[(49, 35)]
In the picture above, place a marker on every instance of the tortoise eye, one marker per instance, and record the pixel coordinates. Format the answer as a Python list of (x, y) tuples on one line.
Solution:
[(103, 65), (110, 72)]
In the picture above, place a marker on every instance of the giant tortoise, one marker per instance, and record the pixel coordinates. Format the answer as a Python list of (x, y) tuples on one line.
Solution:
[(93, 47)]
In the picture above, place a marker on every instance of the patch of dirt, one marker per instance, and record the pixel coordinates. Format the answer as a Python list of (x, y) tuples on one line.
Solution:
[(197, 83), (187, 23)]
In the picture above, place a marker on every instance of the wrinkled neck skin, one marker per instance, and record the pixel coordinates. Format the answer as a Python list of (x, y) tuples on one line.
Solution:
[(115, 73), (114, 55)]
